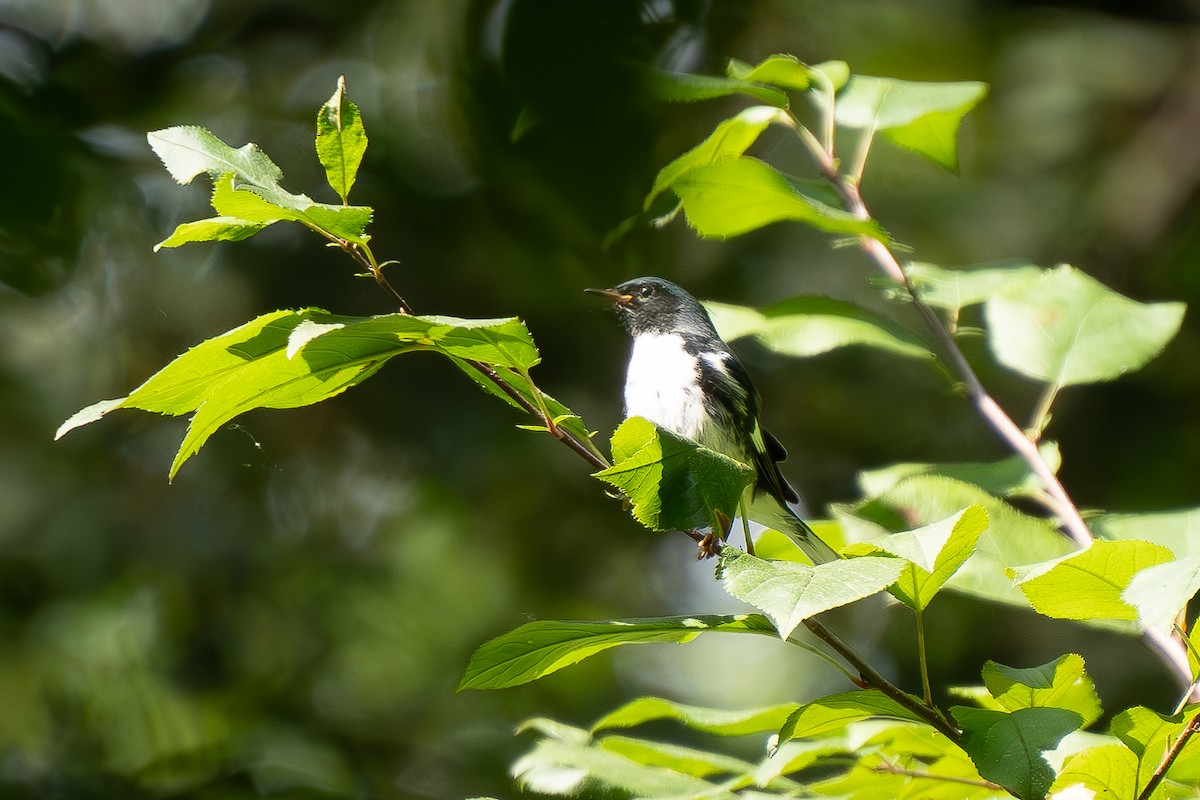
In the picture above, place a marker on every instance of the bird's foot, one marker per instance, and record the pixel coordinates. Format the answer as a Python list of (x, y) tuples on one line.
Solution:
[(709, 546)]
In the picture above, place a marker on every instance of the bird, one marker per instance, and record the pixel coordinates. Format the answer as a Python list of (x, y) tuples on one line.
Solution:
[(683, 377)]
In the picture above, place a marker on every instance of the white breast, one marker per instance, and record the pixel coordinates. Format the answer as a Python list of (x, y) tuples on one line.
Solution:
[(663, 386)]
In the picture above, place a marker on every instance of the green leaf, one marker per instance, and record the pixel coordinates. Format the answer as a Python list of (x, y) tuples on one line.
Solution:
[(956, 289), (1011, 538), (215, 229), (809, 326), (933, 554), (678, 87), (1150, 735), (1008, 748), (789, 593), (1161, 593), (1109, 770), (1088, 584), (731, 137), (246, 183), (1179, 530), (274, 204), (539, 648), (287, 359), (835, 712), (923, 117), (684, 760), (1067, 328), (740, 194), (566, 767), (341, 140), (784, 71), (1008, 476), (1063, 683), (672, 482), (187, 151), (709, 720)]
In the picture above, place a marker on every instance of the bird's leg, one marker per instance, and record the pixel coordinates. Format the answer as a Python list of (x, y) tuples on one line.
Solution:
[(711, 544), (746, 524)]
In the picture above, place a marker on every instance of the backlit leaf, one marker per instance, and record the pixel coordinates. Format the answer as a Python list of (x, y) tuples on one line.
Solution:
[(1088, 584), (1063, 683), (1161, 593), (680, 87), (836, 711), (539, 648), (1067, 328), (1109, 770), (341, 140), (1008, 748), (1012, 538), (1008, 476), (789, 593), (1178, 530), (709, 720), (923, 117), (730, 138), (956, 289), (672, 482), (809, 326), (933, 554), (740, 194), (261, 365), (215, 229)]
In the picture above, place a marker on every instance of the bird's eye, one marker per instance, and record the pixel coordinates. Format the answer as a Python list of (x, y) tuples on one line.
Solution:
[(645, 291)]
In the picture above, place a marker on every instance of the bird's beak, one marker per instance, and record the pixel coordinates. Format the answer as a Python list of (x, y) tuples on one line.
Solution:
[(618, 298)]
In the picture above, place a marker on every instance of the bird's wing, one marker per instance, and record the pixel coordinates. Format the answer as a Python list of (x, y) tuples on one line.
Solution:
[(740, 404)]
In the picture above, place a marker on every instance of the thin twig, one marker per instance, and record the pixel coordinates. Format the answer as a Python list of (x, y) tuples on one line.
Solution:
[(363, 255), (889, 768), (1168, 759), (872, 677), (1060, 503)]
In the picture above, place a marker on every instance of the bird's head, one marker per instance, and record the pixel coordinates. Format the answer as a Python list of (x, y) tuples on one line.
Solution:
[(654, 305)]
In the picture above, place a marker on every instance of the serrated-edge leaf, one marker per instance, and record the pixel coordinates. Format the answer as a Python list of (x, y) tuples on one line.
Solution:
[(789, 593), (1062, 683), (255, 365), (1160, 593), (1109, 770), (539, 648), (933, 552), (189, 150), (1088, 584), (1008, 747), (673, 483), (341, 140)]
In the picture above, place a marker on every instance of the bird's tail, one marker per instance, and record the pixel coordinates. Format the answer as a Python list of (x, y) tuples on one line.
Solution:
[(783, 519)]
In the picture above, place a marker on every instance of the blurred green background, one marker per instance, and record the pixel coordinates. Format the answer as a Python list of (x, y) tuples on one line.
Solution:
[(290, 617)]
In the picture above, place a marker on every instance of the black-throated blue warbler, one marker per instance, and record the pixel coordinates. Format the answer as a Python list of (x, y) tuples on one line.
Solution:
[(683, 377)]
